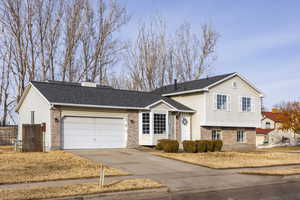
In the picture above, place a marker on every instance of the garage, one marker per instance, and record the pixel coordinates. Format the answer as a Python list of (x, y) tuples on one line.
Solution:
[(93, 133)]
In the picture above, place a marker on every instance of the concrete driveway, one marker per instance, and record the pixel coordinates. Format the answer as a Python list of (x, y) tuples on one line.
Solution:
[(178, 176)]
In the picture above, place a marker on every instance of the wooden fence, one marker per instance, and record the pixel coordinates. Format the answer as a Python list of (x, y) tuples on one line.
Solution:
[(8, 134), (32, 138)]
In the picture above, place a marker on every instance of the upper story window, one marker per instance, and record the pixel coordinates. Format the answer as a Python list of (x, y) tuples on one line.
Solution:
[(221, 102), (159, 123), (268, 125), (240, 137), (216, 135), (246, 104), (146, 123)]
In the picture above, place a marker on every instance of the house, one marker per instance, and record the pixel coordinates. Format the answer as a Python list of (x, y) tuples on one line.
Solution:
[(86, 115), (269, 134)]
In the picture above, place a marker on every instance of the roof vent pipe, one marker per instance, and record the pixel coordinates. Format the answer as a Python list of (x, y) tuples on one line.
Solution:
[(175, 84)]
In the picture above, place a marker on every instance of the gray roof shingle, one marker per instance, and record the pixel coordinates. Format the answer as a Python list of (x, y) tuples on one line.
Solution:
[(191, 85), (63, 93)]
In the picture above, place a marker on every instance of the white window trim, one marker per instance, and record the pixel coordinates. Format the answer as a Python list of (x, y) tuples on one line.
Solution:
[(143, 123), (245, 136), (251, 104), (221, 135), (151, 116), (167, 121), (215, 102)]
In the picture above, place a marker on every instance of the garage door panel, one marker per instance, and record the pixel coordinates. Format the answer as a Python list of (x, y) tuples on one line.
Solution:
[(89, 133)]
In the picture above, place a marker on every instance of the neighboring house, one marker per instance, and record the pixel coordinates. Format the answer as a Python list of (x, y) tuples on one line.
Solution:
[(271, 133), (83, 116)]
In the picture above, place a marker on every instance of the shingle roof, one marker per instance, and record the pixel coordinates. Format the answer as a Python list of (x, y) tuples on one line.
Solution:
[(273, 116), (263, 131), (191, 85), (61, 93)]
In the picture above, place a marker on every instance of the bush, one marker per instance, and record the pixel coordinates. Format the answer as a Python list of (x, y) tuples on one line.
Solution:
[(201, 146), (171, 146), (189, 146), (209, 145), (218, 144), (161, 143)]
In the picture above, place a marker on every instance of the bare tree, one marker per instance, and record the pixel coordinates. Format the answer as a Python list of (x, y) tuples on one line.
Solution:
[(14, 25), (108, 20), (156, 58), (6, 73), (194, 54), (58, 40), (72, 36)]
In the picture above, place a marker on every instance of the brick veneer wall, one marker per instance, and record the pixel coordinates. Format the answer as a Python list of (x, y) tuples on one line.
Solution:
[(133, 129), (55, 125), (229, 137), (178, 128)]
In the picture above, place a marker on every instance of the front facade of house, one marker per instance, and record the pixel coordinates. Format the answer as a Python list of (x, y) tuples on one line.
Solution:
[(228, 110), (270, 129), (87, 116)]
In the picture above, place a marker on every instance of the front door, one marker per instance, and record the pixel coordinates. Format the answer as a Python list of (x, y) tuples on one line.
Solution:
[(185, 127)]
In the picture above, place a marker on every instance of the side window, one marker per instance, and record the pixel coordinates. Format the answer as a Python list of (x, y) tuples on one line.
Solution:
[(246, 104), (221, 102), (146, 123), (32, 117), (216, 135)]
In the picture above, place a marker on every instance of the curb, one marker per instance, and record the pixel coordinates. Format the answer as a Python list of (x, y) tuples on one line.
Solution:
[(111, 194)]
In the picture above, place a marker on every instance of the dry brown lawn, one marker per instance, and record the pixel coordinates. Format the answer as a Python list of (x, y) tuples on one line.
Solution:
[(273, 172), (288, 148), (77, 189), (231, 160), (6, 149), (31, 167)]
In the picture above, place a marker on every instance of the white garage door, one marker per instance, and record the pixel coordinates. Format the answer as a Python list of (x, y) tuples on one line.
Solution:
[(93, 133)]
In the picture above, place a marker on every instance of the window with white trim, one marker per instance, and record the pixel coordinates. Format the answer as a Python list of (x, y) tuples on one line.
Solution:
[(246, 104), (216, 135), (160, 123), (240, 137), (268, 125), (146, 123), (221, 102)]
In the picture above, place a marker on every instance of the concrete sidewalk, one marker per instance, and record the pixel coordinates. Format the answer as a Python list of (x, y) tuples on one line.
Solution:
[(61, 182)]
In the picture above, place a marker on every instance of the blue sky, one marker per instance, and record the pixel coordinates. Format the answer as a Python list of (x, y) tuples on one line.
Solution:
[(259, 39)]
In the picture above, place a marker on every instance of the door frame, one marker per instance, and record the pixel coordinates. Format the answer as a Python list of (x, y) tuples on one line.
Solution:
[(188, 127), (125, 121)]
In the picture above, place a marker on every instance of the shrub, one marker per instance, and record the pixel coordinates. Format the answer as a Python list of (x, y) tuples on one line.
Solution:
[(218, 144), (161, 143), (189, 146), (210, 145), (171, 146), (201, 146)]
